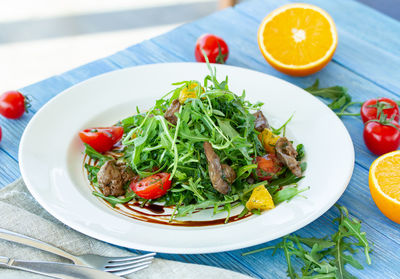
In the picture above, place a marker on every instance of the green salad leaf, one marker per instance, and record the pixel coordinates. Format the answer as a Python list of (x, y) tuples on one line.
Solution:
[(325, 257)]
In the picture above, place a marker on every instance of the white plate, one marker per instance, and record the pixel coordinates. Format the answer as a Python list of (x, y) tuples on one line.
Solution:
[(50, 157)]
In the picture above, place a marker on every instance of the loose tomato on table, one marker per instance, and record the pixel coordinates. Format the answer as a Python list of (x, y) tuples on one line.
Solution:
[(13, 104), (267, 166), (371, 109), (152, 187), (214, 47), (381, 137), (102, 139)]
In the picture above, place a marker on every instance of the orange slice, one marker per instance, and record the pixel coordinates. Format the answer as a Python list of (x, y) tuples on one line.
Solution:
[(384, 184), (298, 39), (260, 199)]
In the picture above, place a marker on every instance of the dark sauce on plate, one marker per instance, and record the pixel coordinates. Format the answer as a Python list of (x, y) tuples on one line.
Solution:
[(155, 213)]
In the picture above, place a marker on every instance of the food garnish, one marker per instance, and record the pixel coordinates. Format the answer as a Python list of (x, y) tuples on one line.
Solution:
[(102, 139), (260, 199), (382, 135), (214, 47), (13, 104), (297, 39), (373, 108), (380, 116), (328, 256), (384, 184)]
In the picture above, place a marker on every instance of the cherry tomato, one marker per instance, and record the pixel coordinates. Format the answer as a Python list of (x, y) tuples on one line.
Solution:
[(381, 138), (370, 108), (13, 104), (102, 139), (152, 187), (215, 48), (267, 167)]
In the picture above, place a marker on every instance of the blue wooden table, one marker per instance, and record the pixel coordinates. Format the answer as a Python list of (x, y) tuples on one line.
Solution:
[(367, 62)]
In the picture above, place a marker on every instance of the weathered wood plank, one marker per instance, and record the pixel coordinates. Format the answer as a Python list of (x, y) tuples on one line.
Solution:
[(9, 170)]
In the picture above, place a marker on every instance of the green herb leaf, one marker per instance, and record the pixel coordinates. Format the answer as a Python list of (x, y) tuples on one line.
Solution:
[(337, 94), (325, 257), (114, 200), (96, 155)]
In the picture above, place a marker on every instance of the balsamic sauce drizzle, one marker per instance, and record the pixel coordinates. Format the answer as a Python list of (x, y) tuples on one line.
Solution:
[(156, 213)]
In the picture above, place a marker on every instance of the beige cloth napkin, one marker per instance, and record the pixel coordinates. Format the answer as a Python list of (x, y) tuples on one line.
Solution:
[(19, 212)]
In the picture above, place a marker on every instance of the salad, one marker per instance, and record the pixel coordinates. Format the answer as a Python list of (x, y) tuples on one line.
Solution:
[(200, 146)]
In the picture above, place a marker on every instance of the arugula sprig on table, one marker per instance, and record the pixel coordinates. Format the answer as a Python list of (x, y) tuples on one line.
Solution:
[(325, 257), (340, 99)]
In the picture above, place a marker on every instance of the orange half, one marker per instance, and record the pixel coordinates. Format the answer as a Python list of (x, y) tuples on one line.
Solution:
[(384, 184), (298, 39)]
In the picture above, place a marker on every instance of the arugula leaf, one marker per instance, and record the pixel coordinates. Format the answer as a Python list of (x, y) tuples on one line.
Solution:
[(300, 152), (114, 200), (92, 173), (286, 194), (96, 155), (287, 179), (325, 257), (283, 127), (337, 94)]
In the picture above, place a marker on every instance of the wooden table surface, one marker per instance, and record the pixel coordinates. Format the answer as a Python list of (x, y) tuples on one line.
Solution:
[(367, 62)]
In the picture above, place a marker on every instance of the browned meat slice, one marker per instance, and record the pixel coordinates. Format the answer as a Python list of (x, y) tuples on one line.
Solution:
[(228, 174), (215, 170), (286, 153), (112, 177), (170, 113), (127, 173), (261, 122)]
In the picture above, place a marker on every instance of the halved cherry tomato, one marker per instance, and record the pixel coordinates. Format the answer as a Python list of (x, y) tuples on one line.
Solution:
[(369, 109), (152, 187), (13, 104), (382, 138), (102, 139), (215, 48), (267, 166)]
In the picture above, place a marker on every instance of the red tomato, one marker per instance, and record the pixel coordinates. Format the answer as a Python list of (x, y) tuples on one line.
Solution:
[(370, 108), (152, 187), (381, 138), (215, 48), (102, 139), (13, 104), (267, 166)]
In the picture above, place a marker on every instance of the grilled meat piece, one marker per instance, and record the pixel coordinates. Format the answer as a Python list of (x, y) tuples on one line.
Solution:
[(228, 174), (287, 154), (113, 176), (170, 113), (215, 170), (261, 122)]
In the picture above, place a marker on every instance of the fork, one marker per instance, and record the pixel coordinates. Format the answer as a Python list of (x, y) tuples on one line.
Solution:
[(117, 265)]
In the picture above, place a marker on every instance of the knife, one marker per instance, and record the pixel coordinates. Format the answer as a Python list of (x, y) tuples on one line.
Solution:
[(57, 270)]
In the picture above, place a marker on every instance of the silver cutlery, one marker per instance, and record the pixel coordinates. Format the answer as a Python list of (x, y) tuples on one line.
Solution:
[(57, 270), (116, 265)]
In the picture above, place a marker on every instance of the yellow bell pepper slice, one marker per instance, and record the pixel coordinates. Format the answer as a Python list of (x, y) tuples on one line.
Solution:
[(268, 140), (260, 199), (189, 91)]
